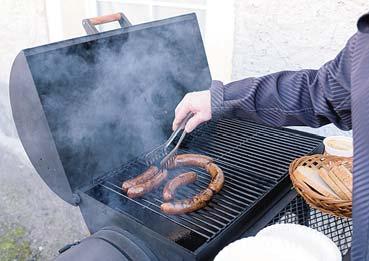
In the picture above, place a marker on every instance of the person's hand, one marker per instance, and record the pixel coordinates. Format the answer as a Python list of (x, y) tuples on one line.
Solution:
[(199, 103)]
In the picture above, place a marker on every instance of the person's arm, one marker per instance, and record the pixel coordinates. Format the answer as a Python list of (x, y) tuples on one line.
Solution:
[(307, 97)]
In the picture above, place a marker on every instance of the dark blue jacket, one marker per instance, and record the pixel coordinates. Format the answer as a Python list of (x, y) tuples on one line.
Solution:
[(338, 92)]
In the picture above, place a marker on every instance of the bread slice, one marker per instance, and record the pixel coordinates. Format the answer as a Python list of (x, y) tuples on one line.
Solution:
[(344, 175), (333, 174), (327, 177), (311, 177)]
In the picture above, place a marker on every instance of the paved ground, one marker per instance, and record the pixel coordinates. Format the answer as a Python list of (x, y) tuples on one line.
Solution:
[(27, 204)]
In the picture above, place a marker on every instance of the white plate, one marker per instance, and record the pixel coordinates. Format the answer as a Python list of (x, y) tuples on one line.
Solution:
[(264, 248), (316, 243)]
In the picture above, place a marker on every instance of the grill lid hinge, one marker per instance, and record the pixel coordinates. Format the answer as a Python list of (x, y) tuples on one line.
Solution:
[(66, 247)]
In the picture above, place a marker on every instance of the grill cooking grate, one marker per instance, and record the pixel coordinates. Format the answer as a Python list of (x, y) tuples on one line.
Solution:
[(254, 159), (337, 229)]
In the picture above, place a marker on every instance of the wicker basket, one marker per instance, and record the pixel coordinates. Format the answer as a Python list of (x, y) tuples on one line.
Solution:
[(336, 207)]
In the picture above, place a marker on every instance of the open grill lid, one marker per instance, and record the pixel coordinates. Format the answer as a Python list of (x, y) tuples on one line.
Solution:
[(85, 106)]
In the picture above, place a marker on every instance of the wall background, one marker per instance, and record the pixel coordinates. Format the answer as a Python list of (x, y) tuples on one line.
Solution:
[(271, 36), (268, 36)]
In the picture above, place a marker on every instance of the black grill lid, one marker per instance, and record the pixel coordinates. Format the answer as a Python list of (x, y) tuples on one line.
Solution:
[(84, 106)]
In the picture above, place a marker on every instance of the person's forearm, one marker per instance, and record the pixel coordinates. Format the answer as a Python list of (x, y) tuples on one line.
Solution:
[(306, 97)]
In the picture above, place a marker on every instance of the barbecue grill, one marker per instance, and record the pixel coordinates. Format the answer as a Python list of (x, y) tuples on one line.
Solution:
[(88, 109)]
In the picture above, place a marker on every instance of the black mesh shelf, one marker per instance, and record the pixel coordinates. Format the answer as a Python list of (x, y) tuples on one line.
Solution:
[(337, 229)]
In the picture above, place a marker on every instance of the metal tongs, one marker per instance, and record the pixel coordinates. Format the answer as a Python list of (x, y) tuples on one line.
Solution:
[(161, 152)]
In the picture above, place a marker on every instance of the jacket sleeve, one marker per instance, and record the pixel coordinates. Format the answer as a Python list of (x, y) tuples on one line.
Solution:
[(291, 98)]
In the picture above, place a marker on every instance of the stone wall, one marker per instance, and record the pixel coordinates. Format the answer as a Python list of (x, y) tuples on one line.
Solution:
[(280, 35)]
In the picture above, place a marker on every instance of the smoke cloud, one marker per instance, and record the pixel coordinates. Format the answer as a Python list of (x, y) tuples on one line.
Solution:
[(110, 98)]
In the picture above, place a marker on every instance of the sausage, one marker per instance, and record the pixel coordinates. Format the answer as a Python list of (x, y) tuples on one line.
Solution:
[(145, 176), (217, 177), (191, 160), (151, 184), (187, 205), (181, 180)]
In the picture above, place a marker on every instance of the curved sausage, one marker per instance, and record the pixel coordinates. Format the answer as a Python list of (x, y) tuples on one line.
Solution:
[(145, 176), (181, 180), (140, 189), (217, 177), (187, 205), (191, 160)]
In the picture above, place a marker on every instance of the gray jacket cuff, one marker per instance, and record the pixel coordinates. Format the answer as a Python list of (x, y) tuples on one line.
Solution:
[(217, 99)]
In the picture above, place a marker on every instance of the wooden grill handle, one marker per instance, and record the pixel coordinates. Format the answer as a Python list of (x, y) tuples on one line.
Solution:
[(105, 19), (90, 23)]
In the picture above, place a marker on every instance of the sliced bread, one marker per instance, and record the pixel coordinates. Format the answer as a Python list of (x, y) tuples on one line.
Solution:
[(327, 177), (334, 183), (344, 175), (333, 174), (311, 177)]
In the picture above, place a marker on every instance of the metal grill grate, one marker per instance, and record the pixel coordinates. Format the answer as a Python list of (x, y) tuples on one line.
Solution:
[(337, 229), (254, 159)]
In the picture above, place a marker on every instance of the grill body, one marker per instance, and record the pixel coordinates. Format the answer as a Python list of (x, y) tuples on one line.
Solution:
[(84, 136)]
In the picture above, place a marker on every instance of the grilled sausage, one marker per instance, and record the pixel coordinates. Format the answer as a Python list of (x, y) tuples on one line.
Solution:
[(187, 205), (181, 180), (217, 177), (191, 160), (142, 178), (151, 184)]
